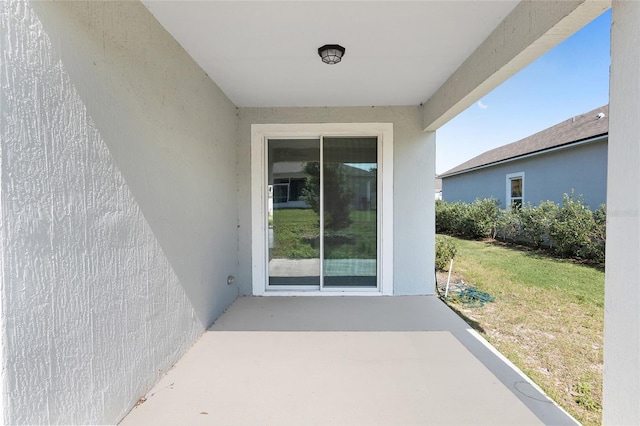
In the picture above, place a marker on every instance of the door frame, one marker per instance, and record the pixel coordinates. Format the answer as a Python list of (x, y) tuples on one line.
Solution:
[(260, 133)]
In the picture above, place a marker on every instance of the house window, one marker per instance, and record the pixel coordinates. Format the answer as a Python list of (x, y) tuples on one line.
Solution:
[(280, 192), (515, 189)]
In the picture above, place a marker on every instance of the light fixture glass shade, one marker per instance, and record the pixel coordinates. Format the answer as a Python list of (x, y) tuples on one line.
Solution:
[(331, 53)]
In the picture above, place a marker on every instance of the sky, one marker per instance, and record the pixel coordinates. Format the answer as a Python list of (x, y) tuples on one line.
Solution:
[(569, 80)]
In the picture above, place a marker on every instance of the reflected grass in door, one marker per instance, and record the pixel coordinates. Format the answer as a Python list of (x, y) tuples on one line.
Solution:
[(296, 236)]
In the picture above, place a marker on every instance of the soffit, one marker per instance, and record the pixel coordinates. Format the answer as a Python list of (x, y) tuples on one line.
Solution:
[(264, 53)]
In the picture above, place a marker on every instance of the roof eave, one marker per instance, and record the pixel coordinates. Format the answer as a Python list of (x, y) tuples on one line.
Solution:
[(590, 139)]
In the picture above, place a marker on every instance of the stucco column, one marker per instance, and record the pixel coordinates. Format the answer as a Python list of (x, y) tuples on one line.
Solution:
[(621, 403), (414, 213)]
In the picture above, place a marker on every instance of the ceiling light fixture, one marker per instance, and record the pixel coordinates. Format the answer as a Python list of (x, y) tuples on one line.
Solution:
[(331, 53)]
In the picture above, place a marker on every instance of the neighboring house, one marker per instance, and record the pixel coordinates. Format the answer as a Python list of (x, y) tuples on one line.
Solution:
[(570, 156), (438, 188), (289, 181), (134, 151)]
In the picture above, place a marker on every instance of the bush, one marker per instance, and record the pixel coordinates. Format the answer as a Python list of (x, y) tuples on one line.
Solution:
[(596, 249), (479, 219), (575, 231), (535, 223), (507, 225), (475, 220), (445, 251), (337, 192), (448, 216), (570, 230)]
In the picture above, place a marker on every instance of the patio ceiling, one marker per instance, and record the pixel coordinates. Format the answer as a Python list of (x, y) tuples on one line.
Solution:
[(264, 53)]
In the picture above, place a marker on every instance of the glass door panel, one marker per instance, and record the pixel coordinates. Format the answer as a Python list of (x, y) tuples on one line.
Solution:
[(350, 219), (293, 166)]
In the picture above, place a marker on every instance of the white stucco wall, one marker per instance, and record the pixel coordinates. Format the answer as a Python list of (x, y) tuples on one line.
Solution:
[(621, 389), (118, 207), (414, 174)]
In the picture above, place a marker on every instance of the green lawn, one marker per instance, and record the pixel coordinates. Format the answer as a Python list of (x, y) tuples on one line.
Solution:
[(359, 239), (296, 236), (547, 318), (295, 231)]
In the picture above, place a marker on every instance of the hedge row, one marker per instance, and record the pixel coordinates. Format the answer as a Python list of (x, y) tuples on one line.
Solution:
[(570, 230)]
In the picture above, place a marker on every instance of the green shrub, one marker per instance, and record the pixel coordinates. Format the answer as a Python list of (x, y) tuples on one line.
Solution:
[(573, 228), (570, 230), (567, 229), (599, 235), (448, 215), (479, 218), (475, 220), (535, 222), (507, 225), (445, 251)]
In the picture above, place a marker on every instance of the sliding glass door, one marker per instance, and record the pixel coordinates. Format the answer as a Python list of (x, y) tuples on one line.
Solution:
[(323, 227), (293, 219), (350, 234)]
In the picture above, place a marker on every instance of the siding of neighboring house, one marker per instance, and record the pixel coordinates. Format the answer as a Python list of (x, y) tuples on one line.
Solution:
[(548, 176), (118, 207), (414, 149)]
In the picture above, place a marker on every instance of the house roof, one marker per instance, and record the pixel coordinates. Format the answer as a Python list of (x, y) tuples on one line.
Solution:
[(568, 132)]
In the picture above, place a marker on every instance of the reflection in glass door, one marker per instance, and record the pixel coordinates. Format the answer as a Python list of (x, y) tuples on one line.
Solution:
[(294, 226), (322, 213), (350, 167)]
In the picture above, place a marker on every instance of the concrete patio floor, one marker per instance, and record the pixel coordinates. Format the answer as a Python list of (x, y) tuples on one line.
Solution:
[(343, 361)]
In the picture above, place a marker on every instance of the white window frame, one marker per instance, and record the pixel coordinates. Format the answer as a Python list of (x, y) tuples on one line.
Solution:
[(510, 177), (260, 133)]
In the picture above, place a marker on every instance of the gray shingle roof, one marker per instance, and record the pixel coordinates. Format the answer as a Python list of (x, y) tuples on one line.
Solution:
[(576, 129)]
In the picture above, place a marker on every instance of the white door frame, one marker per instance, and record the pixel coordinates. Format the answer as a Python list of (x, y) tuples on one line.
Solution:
[(260, 133)]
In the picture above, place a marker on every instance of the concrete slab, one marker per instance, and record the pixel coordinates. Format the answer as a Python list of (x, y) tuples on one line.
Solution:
[(343, 360), (332, 267), (294, 267), (348, 313)]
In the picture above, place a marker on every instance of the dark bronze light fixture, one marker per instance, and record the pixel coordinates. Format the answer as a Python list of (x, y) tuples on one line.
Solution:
[(331, 53)]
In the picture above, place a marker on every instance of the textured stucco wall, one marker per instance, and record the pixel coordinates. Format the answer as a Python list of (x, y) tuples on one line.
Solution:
[(621, 379), (414, 171), (547, 177), (118, 207)]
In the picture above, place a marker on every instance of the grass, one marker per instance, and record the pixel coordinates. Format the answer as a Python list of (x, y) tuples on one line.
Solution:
[(296, 236), (361, 237), (547, 318), (294, 230)]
